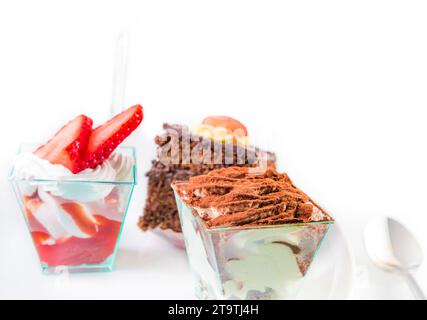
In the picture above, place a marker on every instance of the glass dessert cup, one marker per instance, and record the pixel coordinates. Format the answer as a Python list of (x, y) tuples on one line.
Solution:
[(176, 238), (249, 263), (75, 224)]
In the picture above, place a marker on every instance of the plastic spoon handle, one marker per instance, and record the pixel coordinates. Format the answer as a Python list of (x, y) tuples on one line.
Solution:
[(414, 286), (120, 70)]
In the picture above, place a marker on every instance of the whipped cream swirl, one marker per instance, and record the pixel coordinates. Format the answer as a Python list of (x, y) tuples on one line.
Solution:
[(63, 183)]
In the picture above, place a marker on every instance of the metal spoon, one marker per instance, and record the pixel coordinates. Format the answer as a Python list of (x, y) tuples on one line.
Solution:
[(392, 247)]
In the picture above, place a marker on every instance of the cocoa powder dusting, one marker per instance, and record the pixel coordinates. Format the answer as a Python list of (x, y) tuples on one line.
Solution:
[(240, 196)]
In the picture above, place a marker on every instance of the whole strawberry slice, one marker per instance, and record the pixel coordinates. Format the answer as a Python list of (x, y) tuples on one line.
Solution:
[(105, 139), (69, 144)]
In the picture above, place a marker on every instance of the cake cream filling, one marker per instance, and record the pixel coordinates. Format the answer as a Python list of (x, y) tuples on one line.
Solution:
[(212, 212), (218, 134), (270, 270), (262, 264)]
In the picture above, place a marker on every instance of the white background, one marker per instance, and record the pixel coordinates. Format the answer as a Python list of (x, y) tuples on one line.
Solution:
[(336, 88)]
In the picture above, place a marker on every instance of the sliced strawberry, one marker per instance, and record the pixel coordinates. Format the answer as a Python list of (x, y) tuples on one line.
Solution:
[(105, 139), (67, 147), (232, 125)]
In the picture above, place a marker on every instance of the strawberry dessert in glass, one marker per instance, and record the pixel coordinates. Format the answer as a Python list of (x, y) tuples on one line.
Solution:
[(74, 192)]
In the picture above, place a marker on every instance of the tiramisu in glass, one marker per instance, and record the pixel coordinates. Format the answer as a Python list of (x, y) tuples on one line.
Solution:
[(249, 234)]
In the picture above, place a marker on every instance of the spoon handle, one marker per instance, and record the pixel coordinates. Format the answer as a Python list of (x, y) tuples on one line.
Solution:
[(414, 286)]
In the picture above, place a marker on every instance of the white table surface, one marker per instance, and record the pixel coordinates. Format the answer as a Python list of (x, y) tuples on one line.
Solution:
[(337, 90)]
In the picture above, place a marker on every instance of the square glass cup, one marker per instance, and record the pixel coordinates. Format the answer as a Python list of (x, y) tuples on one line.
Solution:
[(76, 224), (248, 263)]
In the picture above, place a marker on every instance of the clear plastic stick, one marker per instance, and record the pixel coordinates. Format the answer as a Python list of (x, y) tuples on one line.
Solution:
[(120, 72)]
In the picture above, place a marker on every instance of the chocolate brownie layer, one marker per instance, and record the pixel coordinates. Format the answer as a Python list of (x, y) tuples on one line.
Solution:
[(160, 208)]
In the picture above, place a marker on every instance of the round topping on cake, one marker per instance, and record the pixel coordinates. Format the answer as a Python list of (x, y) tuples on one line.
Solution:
[(231, 125), (221, 128)]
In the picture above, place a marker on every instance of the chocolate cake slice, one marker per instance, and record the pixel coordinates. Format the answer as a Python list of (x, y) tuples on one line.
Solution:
[(183, 153)]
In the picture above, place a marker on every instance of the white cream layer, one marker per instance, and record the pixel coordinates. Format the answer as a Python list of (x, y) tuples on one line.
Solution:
[(62, 182)]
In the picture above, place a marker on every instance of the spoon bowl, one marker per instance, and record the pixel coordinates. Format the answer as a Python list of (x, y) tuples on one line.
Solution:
[(392, 247)]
